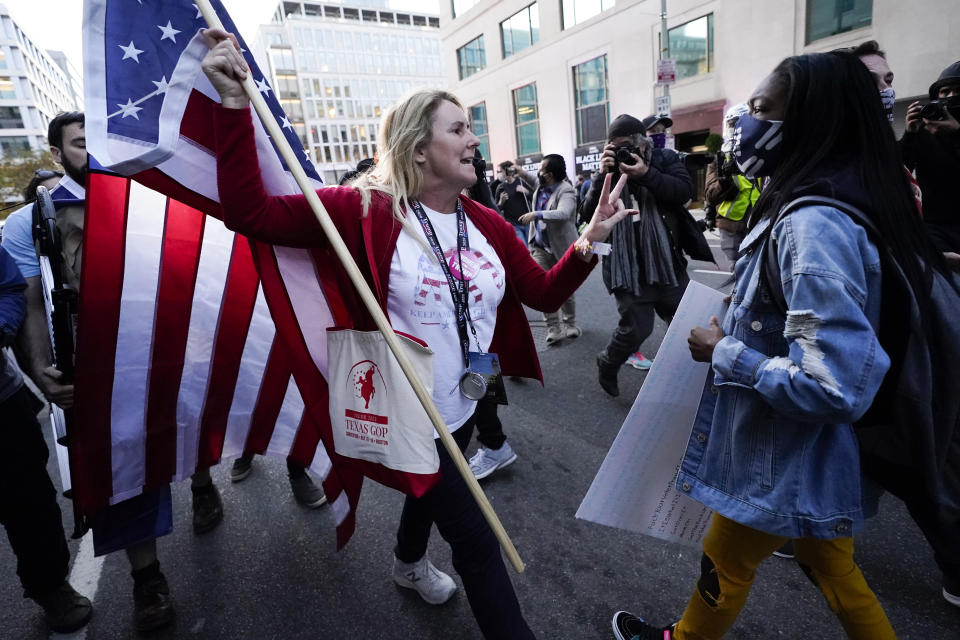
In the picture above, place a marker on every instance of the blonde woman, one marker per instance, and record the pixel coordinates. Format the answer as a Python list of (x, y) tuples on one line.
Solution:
[(413, 197)]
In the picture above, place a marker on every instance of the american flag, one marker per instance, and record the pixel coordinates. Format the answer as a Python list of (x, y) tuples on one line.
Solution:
[(196, 368)]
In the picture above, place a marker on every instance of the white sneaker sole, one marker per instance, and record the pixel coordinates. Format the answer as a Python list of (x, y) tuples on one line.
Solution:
[(402, 581), (505, 463), (951, 598)]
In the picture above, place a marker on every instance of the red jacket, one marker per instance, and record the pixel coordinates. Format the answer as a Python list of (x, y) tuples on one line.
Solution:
[(288, 220)]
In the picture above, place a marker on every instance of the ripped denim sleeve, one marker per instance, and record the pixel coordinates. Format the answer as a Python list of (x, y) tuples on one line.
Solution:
[(835, 363)]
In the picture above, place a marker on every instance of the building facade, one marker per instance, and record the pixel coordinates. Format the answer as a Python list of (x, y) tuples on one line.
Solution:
[(337, 66), (34, 88), (547, 76)]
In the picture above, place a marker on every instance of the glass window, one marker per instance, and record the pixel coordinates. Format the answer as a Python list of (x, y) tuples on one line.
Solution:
[(576, 11), (829, 17), (10, 118), (520, 30), (591, 100), (462, 6), (478, 122), (14, 144), (526, 119), (691, 45), (471, 57), (6, 88)]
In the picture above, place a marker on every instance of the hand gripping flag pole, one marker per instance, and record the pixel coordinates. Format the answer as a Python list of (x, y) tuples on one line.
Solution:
[(369, 301)]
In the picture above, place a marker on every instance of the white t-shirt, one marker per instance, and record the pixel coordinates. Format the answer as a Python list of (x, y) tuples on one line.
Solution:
[(420, 303)]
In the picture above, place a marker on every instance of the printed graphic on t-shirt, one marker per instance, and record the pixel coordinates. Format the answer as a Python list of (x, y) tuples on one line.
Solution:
[(431, 299)]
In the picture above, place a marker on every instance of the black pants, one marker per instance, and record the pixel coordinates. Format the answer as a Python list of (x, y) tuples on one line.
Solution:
[(489, 428), (28, 500), (476, 552), (940, 524), (636, 318)]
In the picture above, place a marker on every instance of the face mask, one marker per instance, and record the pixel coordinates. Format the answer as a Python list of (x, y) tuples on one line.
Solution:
[(756, 145), (888, 96), (659, 140)]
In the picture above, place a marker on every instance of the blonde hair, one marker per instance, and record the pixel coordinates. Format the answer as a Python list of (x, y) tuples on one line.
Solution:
[(406, 125)]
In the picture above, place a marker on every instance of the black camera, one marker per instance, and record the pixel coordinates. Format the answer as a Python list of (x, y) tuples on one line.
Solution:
[(934, 110), (623, 155)]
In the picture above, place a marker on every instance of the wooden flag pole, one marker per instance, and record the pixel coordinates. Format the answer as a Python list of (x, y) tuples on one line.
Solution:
[(373, 307)]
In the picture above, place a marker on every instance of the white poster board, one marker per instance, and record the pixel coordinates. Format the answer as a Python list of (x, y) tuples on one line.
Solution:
[(634, 488)]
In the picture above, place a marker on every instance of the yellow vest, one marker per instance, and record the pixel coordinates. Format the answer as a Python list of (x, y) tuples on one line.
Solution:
[(747, 197)]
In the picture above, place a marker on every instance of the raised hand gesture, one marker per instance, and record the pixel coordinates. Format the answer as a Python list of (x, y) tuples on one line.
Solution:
[(609, 212)]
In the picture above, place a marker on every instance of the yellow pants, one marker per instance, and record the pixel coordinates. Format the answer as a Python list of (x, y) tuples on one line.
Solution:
[(731, 554)]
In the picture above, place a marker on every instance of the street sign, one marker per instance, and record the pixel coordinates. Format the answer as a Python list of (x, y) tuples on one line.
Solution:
[(663, 105), (666, 71)]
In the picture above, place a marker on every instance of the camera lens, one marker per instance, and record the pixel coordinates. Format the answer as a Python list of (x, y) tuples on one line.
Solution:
[(933, 111)]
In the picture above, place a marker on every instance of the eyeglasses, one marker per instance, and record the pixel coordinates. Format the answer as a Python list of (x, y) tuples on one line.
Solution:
[(46, 174)]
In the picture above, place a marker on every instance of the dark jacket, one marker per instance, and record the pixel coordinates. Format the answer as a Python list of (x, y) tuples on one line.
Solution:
[(12, 307), (936, 161), (669, 182)]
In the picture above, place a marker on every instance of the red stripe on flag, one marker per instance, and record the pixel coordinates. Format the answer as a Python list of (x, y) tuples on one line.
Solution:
[(159, 181), (233, 326), (101, 285), (179, 260), (276, 379), (197, 123)]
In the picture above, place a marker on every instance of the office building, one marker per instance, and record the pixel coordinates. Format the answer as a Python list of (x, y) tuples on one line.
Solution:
[(34, 88), (548, 76), (337, 66)]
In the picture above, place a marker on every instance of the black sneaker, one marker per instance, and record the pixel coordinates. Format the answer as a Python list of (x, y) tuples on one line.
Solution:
[(242, 467), (627, 626), (306, 492), (207, 508), (152, 607), (951, 590), (786, 551), (608, 376), (64, 609)]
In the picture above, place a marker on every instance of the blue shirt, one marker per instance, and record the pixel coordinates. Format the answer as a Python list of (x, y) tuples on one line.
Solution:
[(773, 446), (13, 305)]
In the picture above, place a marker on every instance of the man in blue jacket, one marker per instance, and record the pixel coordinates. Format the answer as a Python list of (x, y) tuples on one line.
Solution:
[(28, 500)]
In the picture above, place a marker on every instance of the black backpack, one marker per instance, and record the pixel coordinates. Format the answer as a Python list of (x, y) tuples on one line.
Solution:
[(914, 421)]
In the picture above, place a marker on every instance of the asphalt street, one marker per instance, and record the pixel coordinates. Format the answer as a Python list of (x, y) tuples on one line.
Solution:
[(271, 569)]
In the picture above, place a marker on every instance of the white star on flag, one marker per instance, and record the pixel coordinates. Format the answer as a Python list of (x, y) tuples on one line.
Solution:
[(168, 32), (130, 109), (262, 86), (199, 13), (131, 51), (285, 123), (162, 84)]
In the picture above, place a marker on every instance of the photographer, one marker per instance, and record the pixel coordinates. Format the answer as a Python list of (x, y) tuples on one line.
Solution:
[(931, 148), (645, 270), (513, 197)]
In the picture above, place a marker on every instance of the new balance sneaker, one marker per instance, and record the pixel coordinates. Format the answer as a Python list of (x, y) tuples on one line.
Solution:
[(554, 335), (433, 585), (241, 468), (64, 609), (207, 508), (485, 461), (627, 626), (638, 361), (306, 492), (951, 590)]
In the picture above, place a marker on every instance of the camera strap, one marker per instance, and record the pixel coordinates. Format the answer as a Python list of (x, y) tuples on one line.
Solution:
[(458, 288)]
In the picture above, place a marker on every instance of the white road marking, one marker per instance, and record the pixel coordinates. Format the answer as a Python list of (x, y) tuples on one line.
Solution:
[(85, 578)]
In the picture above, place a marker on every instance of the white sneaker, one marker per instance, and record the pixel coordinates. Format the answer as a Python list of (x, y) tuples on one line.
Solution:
[(485, 461), (433, 585)]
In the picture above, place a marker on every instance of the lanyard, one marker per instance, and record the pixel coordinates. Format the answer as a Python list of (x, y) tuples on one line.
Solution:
[(458, 288)]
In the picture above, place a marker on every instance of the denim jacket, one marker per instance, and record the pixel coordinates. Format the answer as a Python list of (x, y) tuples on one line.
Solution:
[(772, 446)]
